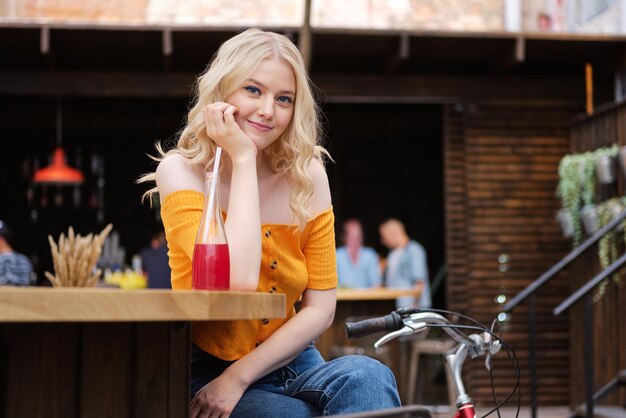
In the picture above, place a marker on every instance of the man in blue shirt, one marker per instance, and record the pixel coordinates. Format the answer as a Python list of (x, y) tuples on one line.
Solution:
[(406, 263), (15, 268), (357, 266)]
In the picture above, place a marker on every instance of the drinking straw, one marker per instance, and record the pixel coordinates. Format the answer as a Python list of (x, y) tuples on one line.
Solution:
[(216, 165)]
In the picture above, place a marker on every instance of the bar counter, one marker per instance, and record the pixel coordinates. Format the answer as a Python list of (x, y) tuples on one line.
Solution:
[(105, 352)]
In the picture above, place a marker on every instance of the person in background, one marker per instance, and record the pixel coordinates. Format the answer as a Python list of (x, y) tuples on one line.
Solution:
[(357, 266), (15, 268), (154, 262), (255, 101), (406, 263)]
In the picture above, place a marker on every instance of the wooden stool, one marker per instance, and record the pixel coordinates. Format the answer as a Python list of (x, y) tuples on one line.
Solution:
[(429, 346)]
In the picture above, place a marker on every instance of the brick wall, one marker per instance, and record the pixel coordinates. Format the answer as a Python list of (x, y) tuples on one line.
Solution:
[(452, 15), (215, 12), (564, 16)]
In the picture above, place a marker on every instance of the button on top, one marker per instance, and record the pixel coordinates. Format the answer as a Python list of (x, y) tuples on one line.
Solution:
[(274, 264), (265, 321), (273, 290), (268, 233)]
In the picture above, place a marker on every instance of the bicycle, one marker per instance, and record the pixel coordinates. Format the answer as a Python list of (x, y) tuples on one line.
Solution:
[(407, 321)]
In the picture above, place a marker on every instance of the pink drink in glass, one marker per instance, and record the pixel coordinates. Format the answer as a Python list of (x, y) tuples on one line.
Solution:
[(211, 267)]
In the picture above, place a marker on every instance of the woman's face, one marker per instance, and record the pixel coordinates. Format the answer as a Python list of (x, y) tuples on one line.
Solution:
[(265, 102)]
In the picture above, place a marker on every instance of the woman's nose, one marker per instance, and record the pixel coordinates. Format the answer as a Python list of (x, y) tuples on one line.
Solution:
[(266, 109)]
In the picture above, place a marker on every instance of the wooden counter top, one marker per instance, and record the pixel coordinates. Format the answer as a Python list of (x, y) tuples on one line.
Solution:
[(44, 304), (380, 293)]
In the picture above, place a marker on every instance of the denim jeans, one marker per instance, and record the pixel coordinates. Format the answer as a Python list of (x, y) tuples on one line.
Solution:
[(306, 387)]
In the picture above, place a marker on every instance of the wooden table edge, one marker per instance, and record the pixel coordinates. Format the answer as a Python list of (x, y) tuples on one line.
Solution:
[(375, 294), (39, 304)]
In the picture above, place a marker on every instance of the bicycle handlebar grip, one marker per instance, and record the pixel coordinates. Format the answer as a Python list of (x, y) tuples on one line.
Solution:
[(391, 322)]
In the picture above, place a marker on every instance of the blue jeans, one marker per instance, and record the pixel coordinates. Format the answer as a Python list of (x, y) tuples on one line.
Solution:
[(306, 387)]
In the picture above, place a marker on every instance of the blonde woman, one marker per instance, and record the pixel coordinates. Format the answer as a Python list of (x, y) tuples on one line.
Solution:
[(255, 102)]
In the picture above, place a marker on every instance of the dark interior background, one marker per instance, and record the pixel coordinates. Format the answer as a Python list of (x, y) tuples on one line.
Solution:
[(388, 163), (120, 132)]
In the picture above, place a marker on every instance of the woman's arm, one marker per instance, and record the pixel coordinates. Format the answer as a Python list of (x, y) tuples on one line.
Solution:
[(222, 394), (315, 316), (243, 224)]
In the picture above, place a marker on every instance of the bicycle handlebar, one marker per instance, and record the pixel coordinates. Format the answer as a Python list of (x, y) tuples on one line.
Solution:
[(407, 321), (412, 319), (391, 322)]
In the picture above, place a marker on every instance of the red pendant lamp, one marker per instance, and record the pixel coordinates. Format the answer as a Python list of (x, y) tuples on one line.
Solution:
[(59, 172)]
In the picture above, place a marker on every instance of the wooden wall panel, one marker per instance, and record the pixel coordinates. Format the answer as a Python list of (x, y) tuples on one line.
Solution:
[(456, 207), (501, 162), (106, 363), (41, 368), (609, 314), (150, 378), (66, 370), (179, 369)]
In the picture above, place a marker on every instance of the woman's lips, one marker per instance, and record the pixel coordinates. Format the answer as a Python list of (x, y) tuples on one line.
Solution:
[(260, 126)]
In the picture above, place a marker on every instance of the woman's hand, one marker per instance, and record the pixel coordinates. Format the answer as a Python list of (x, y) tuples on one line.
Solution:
[(219, 119), (217, 399)]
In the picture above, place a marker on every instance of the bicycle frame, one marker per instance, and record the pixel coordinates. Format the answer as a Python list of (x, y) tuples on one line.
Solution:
[(473, 345), (454, 362)]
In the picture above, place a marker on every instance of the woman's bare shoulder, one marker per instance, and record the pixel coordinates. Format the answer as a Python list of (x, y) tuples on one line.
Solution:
[(321, 200), (174, 173)]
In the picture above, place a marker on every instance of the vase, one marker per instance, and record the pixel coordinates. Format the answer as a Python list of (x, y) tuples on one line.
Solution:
[(567, 224), (589, 216), (605, 169)]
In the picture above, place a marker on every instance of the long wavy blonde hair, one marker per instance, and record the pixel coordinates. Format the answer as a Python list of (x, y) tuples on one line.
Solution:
[(292, 152)]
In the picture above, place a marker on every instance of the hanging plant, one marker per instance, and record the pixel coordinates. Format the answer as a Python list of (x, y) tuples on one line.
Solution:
[(577, 189), (569, 191), (587, 177), (587, 181), (607, 246)]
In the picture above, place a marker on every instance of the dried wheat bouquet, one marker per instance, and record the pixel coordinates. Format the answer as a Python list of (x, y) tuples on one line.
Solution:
[(75, 257)]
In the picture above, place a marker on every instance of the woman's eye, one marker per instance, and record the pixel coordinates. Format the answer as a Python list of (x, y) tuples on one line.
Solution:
[(252, 89), (285, 99)]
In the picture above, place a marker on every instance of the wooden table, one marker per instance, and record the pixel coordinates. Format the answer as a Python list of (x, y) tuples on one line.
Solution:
[(364, 302), (105, 352)]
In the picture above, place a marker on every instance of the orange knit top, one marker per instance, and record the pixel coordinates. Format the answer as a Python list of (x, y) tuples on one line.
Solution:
[(291, 262)]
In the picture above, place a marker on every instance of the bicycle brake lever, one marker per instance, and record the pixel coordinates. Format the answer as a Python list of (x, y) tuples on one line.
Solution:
[(493, 347), (406, 330)]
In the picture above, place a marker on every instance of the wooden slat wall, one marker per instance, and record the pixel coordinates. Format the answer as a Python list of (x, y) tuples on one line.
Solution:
[(609, 342), (456, 208), (61, 370), (501, 162)]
